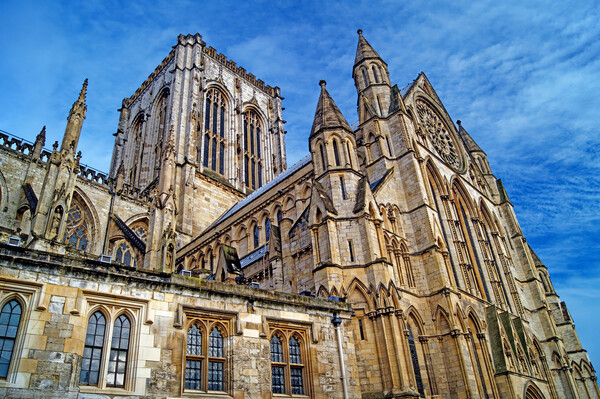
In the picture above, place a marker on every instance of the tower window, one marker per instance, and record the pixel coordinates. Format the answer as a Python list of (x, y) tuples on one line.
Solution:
[(252, 150), (375, 74), (351, 251), (336, 153), (364, 74), (214, 132), (342, 187)]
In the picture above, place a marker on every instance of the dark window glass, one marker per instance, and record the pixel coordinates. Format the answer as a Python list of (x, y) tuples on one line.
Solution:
[(297, 385), (245, 136), (213, 163), (375, 75), (251, 138), (214, 118), (278, 379), (365, 77), (215, 343), (221, 157), (279, 217), (259, 174), (119, 350), (193, 371), (267, 229), (322, 157), (246, 171), (295, 356), (194, 341), (206, 150), (387, 140), (415, 361), (215, 376), (276, 350), (258, 141), (207, 116), (255, 236), (343, 188), (9, 325), (350, 249), (253, 174), (336, 153), (92, 352), (222, 125)]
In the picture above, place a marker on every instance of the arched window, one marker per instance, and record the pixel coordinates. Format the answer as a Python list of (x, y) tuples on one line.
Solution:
[(205, 360), (160, 132), (92, 352), (124, 254), (277, 365), (193, 361), (77, 230), (374, 69), (415, 361), (279, 217), (119, 351), (215, 360), (267, 229), (256, 241), (296, 367), (252, 149), (364, 74), (323, 162), (141, 232), (10, 318), (214, 131), (336, 153), (287, 366)]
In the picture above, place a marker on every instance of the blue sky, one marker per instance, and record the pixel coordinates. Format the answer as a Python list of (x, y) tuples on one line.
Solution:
[(523, 77)]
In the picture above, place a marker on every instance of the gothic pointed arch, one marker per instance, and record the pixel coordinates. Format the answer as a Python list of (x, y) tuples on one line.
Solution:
[(532, 391), (82, 223), (358, 293), (214, 134), (253, 150)]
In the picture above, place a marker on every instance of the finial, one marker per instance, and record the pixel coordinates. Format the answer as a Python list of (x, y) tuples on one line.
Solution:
[(458, 122), (322, 83), (42, 132), (83, 90), (359, 32)]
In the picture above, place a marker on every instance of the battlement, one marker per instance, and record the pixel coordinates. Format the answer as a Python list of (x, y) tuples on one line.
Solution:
[(153, 75)]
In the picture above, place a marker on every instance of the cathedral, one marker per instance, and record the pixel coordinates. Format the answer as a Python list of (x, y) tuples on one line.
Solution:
[(386, 263)]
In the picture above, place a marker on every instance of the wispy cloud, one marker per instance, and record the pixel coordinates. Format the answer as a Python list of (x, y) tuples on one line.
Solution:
[(523, 78)]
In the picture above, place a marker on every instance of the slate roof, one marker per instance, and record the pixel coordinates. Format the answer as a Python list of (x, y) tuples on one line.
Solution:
[(364, 50), (283, 175), (254, 256), (328, 115), (467, 139)]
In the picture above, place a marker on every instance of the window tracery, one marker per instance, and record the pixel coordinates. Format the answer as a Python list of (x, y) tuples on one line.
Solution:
[(252, 150), (205, 357), (287, 363), (214, 132), (77, 229)]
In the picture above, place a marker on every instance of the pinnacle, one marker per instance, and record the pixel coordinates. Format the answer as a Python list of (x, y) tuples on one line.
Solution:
[(328, 115), (471, 145), (364, 50), (83, 92)]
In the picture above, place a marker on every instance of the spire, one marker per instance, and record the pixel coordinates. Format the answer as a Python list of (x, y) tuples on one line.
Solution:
[(75, 120), (364, 50), (467, 139), (327, 115)]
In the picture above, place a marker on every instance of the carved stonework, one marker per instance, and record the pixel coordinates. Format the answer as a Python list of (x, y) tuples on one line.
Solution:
[(440, 135)]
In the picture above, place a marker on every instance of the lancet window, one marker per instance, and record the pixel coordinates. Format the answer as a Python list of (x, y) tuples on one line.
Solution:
[(206, 360), (287, 365), (253, 178), (214, 141), (10, 318)]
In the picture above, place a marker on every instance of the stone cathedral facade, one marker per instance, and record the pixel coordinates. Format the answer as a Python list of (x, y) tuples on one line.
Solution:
[(387, 263)]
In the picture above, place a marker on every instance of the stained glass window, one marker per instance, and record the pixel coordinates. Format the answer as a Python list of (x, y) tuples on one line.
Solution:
[(287, 369), (77, 233), (255, 236), (214, 132), (9, 326), (267, 229), (123, 253), (415, 361), (252, 149)]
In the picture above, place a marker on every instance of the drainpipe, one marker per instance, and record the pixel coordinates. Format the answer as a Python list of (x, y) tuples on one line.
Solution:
[(336, 321)]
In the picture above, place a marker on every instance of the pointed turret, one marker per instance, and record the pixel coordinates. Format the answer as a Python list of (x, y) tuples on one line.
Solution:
[(75, 121), (372, 81), (327, 115), (38, 146), (471, 145), (476, 152), (365, 51)]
